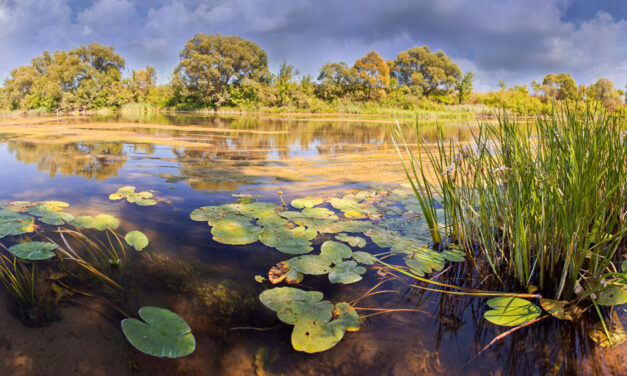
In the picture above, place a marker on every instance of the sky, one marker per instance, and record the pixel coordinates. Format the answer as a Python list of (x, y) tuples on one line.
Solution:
[(511, 40)]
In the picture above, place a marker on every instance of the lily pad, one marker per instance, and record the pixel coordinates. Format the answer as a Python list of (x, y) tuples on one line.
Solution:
[(335, 251), (310, 264), (346, 313), (364, 258), (17, 206), (319, 213), (350, 208), (314, 332), (84, 221), (235, 231), (615, 329), (508, 311), (34, 251), (143, 198), (345, 226), (43, 208), (346, 272), (102, 221), (137, 240), (162, 333), (12, 223), (256, 209), (207, 213), (296, 241), (353, 241), (382, 237), (289, 302), (57, 218), (306, 202), (614, 295)]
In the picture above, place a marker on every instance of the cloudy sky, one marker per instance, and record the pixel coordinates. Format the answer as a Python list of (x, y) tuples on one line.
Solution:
[(511, 40)]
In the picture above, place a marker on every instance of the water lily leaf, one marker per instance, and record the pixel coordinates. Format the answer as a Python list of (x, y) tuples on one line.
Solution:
[(314, 333), (137, 240), (354, 241), (126, 190), (16, 206), (345, 313), (207, 213), (296, 241), (293, 277), (350, 208), (346, 272), (615, 329), (508, 311), (345, 226), (335, 251), (319, 213), (143, 198), (13, 223), (162, 333), (84, 221), (235, 231), (364, 258), (57, 218), (102, 221), (289, 302), (613, 295), (306, 202), (34, 251), (256, 210), (561, 309), (310, 264), (115, 196), (43, 208)]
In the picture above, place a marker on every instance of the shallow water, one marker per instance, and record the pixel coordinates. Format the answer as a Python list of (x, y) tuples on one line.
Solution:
[(193, 161)]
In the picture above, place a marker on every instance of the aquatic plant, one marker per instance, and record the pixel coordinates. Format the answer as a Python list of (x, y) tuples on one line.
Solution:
[(137, 240), (33, 251), (18, 280), (143, 198), (162, 333)]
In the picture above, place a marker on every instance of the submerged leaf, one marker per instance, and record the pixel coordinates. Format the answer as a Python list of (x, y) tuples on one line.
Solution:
[(34, 251), (162, 333), (508, 311), (615, 329), (614, 295), (561, 309), (136, 239)]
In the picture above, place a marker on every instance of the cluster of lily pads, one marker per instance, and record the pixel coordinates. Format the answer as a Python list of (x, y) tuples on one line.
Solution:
[(162, 333), (143, 198)]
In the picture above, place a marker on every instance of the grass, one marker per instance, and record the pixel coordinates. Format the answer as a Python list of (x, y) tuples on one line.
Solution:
[(18, 280), (544, 202)]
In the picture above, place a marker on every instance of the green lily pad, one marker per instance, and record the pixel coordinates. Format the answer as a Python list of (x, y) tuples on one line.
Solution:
[(561, 309), (346, 272), (162, 333), (207, 213), (256, 209), (126, 190), (345, 226), (102, 221), (315, 332), (289, 302), (382, 237), (235, 231), (345, 313), (57, 218), (143, 198), (13, 223), (335, 251), (310, 264), (296, 241), (508, 311), (17, 206), (306, 202), (34, 251), (353, 241), (364, 258), (319, 213), (614, 295), (350, 208), (137, 240), (615, 329), (43, 208), (84, 221)]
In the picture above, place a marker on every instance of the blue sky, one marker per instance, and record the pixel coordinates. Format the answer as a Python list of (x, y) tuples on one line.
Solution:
[(511, 40)]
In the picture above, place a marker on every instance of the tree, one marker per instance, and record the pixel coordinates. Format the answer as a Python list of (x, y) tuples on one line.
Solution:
[(284, 82), (425, 72), (464, 87), (210, 63), (603, 91), (561, 86), (372, 75), (335, 80)]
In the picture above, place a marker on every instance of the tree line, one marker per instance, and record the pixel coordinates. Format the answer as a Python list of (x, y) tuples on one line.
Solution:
[(218, 71)]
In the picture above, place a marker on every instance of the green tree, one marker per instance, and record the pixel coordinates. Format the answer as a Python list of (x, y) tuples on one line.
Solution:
[(372, 75), (211, 63), (284, 82), (335, 81), (464, 87), (603, 91), (425, 72), (561, 86)]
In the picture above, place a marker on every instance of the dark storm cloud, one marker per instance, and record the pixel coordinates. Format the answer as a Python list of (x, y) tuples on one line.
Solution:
[(513, 40)]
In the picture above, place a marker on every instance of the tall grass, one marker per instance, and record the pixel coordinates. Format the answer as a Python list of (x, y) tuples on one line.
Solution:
[(545, 202)]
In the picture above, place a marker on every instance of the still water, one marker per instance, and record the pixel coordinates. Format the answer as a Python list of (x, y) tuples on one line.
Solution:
[(194, 161)]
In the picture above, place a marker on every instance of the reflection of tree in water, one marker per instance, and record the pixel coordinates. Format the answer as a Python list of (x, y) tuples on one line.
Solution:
[(96, 161)]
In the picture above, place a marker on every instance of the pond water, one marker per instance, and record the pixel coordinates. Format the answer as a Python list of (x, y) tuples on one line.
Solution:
[(193, 161)]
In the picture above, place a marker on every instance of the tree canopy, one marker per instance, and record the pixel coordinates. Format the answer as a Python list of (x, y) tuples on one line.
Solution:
[(426, 72), (561, 86), (372, 75)]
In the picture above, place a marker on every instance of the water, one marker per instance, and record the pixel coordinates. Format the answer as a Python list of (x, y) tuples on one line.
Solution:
[(193, 161)]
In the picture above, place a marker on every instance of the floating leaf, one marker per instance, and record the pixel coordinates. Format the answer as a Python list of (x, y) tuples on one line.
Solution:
[(335, 251), (235, 231), (345, 313), (345, 226), (43, 208), (34, 251), (57, 218), (310, 264), (296, 241), (84, 221), (383, 238), (307, 202), (254, 210), (143, 198), (207, 213), (137, 240), (314, 333), (102, 221), (364, 258), (354, 241), (319, 213), (289, 302), (17, 206), (162, 333), (508, 311), (293, 277), (12, 223), (615, 329), (561, 309), (346, 272), (613, 295), (350, 208), (260, 279)]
